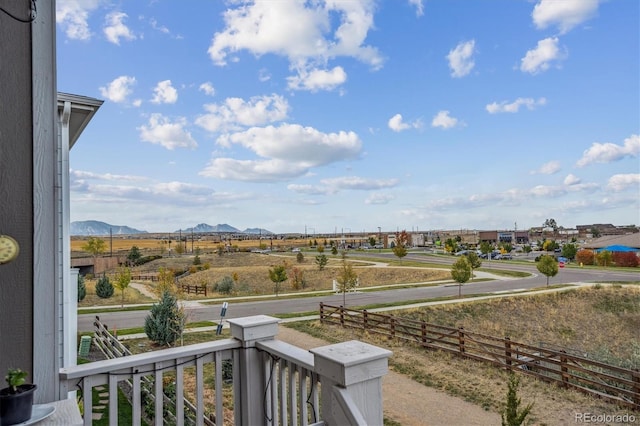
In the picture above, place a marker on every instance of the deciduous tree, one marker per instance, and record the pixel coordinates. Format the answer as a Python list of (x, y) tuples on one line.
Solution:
[(474, 261), (347, 278), (278, 274), (402, 242), (548, 266), (123, 279), (461, 272), (95, 246)]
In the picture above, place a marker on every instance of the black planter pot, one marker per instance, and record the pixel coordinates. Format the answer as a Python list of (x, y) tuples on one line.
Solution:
[(16, 407)]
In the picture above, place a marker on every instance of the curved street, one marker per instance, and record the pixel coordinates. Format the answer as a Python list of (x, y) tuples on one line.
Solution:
[(211, 312)]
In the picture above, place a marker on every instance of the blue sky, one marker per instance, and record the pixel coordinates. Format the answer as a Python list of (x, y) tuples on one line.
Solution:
[(352, 115)]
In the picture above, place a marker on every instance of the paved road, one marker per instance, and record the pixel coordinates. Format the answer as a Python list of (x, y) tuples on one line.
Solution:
[(129, 319)]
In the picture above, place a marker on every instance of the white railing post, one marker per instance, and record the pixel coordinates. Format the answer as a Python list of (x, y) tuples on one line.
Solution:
[(250, 385), (351, 382)]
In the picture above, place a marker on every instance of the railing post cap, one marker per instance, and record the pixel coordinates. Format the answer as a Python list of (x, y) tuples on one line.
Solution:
[(257, 327), (351, 362)]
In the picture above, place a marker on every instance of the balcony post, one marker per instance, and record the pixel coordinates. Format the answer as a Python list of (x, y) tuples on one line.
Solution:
[(250, 387), (355, 370)]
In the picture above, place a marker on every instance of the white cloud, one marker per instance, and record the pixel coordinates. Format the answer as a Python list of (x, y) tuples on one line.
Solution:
[(419, 6), (540, 58), (460, 58), (290, 150), (309, 34), (571, 180), (565, 14), (335, 185), (207, 88), (621, 182), (295, 143), (119, 89), (72, 16), (309, 189), (115, 29), (514, 106), (609, 152), (317, 79), (264, 75), (397, 124), (379, 198), (444, 120), (170, 135), (164, 93), (358, 183), (549, 168), (252, 170), (80, 174), (158, 27), (236, 113)]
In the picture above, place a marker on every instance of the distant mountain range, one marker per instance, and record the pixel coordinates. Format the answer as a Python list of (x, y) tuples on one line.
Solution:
[(94, 227), (224, 228)]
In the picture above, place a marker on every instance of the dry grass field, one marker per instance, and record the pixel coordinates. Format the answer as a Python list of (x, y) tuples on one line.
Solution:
[(252, 273), (122, 244), (604, 322)]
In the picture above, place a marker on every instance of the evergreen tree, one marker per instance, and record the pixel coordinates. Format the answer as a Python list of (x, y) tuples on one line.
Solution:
[(104, 288), (165, 322), (82, 289), (134, 256), (512, 415)]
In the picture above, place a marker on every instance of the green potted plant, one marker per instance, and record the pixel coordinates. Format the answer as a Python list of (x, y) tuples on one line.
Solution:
[(16, 400)]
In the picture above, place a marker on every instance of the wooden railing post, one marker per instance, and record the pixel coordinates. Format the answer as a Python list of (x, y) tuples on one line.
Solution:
[(342, 315), (461, 340), (423, 332), (564, 370), (321, 312), (250, 386), (507, 352), (351, 376), (365, 319)]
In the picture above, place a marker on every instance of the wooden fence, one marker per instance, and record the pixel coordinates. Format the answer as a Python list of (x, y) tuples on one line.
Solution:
[(112, 348), (616, 384), (196, 289)]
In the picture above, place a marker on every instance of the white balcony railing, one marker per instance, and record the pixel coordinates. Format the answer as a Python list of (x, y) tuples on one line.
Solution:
[(273, 383)]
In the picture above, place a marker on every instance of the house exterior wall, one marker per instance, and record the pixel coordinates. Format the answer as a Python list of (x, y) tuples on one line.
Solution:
[(16, 188), (29, 286)]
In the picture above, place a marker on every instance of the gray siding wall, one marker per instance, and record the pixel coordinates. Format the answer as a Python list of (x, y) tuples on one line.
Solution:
[(16, 188), (29, 286)]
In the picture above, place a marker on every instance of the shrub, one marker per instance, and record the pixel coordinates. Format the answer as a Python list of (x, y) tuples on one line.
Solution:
[(165, 323), (585, 257), (104, 288), (513, 415), (225, 285), (147, 259), (627, 259), (300, 257), (82, 289)]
